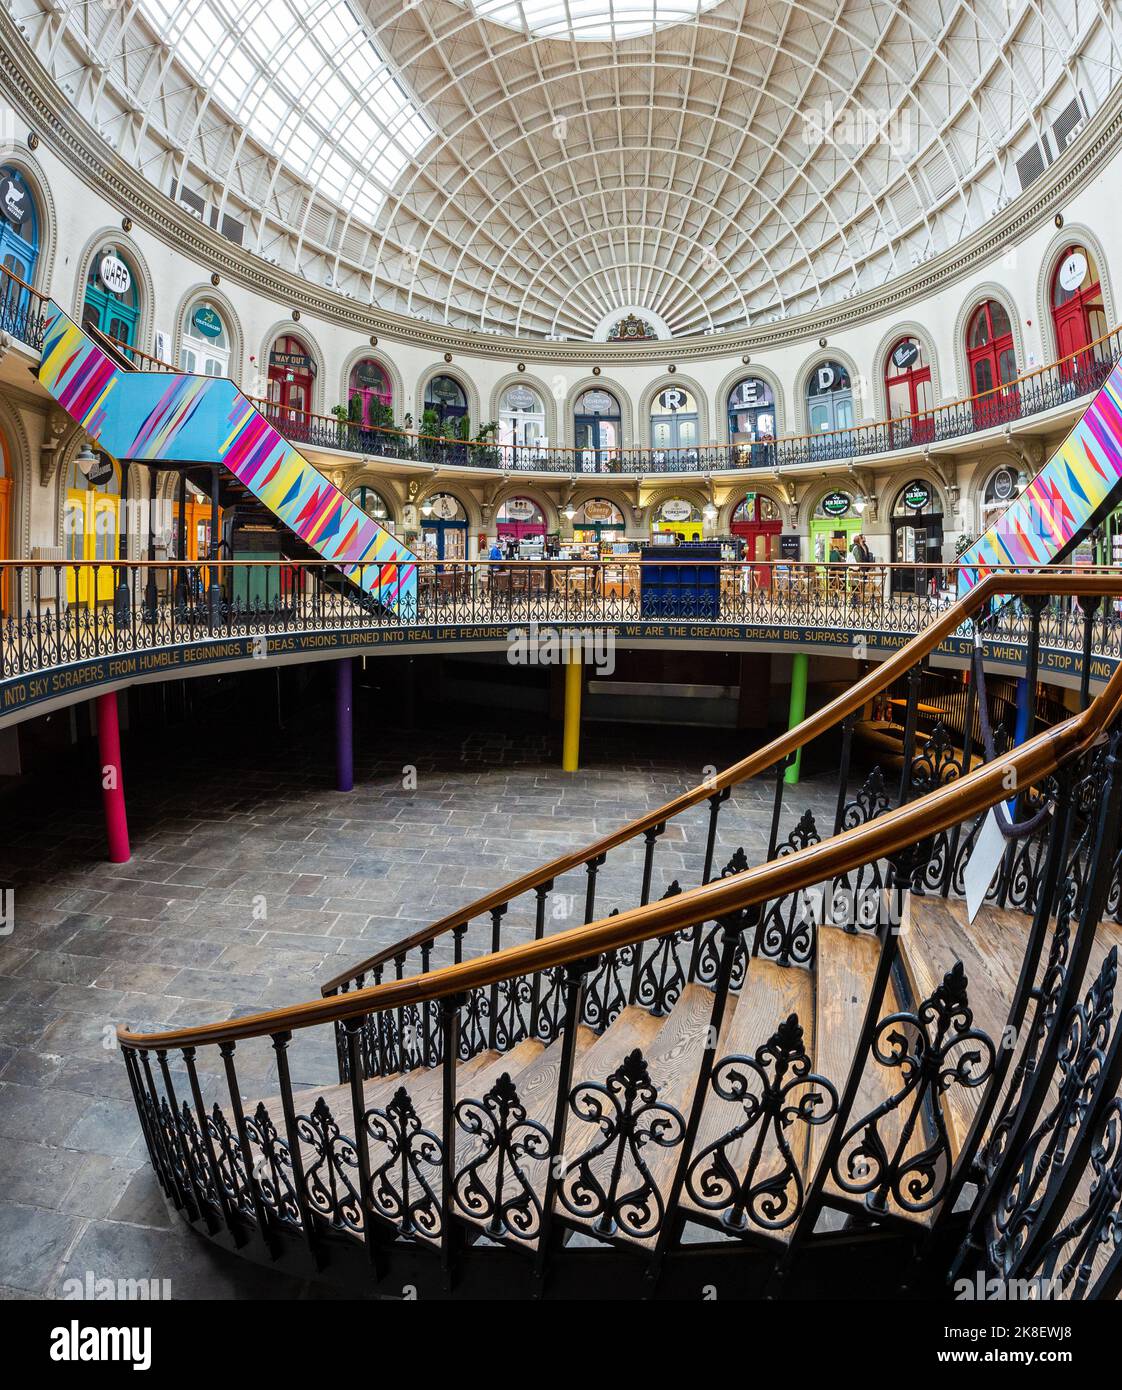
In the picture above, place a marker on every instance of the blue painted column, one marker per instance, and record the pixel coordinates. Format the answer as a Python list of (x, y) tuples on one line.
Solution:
[(344, 725), (1024, 706)]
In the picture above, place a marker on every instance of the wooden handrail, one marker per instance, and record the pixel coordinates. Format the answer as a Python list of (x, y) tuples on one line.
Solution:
[(763, 758), (881, 837)]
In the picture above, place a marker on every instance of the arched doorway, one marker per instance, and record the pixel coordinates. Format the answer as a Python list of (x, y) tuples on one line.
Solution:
[(112, 299), (751, 410), (758, 523), (205, 346), (372, 503), (521, 426), (90, 520), (674, 428), (677, 517), (597, 425), (836, 520), (446, 399), (907, 393), (992, 362), (19, 249), (520, 519), (1078, 315), (598, 520), (917, 538), (292, 371), (1002, 487), (443, 528), (370, 401), (829, 410)]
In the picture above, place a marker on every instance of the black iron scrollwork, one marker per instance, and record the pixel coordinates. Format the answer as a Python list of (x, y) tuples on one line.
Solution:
[(495, 1186), (400, 1189), (272, 1168), (327, 1179)]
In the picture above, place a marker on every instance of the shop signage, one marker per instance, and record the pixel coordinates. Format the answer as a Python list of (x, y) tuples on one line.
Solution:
[(445, 508), (751, 392), (1073, 271), (790, 547), (904, 354), (836, 503), (598, 403), (101, 471), (519, 509), (673, 399), (1002, 485), (831, 377), (916, 496), (291, 362), (521, 398), (114, 274), (675, 510), (598, 510), (368, 375), (207, 321), (13, 201)]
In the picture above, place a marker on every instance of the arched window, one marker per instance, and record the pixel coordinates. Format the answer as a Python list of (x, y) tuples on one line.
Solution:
[(520, 519), (521, 425), (292, 371), (446, 397), (1002, 487), (751, 409), (674, 426), (678, 517), (907, 390), (758, 523), (205, 348), (917, 538), (371, 502), (19, 250), (596, 429), (112, 302), (89, 523), (370, 397), (596, 519), (836, 520), (829, 405), (443, 528), (1078, 315), (992, 360)]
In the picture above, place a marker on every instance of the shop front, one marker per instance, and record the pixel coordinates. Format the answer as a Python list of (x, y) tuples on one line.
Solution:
[(757, 522), (835, 522), (112, 301), (917, 538), (1078, 314), (907, 390), (89, 521), (597, 423), (677, 517), (447, 400), (520, 519), (371, 396), (829, 411), (674, 428), (598, 520), (444, 525), (292, 371), (751, 413), (522, 436), (205, 347)]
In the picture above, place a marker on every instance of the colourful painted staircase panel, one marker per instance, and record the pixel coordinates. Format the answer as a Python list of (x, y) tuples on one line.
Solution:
[(179, 418), (1078, 484)]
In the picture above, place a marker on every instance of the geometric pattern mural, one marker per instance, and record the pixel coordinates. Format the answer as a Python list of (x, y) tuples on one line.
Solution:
[(1074, 488), (182, 418)]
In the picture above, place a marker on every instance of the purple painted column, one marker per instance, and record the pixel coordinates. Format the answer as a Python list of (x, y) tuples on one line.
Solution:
[(112, 778), (344, 725)]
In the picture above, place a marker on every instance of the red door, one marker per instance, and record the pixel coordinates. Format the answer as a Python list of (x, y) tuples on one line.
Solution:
[(1078, 315), (907, 389), (992, 360)]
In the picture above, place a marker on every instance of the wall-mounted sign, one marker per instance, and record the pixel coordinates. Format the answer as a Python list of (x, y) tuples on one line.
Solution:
[(831, 376), (114, 274), (598, 403), (207, 320), (521, 398), (916, 496), (750, 393), (13, 201), (835, 503), (101, 470), (1002, 485), (673, 399), (597, 509), (519, 509), (368, 375), (675, 510), (790, 547), (904, 354), (1073, 271), (445, 507), (296, 362)]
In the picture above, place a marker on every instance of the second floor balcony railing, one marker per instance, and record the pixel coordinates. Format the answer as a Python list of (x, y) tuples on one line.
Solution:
[(21, 309)]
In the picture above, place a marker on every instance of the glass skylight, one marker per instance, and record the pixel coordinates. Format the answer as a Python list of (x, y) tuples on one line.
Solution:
[(308, 82), (590, 19)]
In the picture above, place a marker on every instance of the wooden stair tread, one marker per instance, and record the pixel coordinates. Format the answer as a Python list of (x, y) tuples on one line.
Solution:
[(770, 994)]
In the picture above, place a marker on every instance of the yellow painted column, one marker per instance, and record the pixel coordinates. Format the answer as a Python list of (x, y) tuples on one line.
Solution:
[(570, 744)]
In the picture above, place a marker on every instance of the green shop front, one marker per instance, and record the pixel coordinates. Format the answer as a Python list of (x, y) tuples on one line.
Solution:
[(835, 522)]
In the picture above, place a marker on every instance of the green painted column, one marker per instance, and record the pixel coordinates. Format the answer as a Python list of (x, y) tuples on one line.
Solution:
[(797, 713)]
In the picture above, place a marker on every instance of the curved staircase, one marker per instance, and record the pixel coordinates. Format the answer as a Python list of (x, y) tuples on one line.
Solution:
[(811, 1076)]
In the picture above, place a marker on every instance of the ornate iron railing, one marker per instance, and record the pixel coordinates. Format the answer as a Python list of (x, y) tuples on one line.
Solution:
[(21, 309), (407, 1157)]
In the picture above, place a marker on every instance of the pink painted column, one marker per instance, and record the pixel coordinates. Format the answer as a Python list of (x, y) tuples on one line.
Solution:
[(112, 778)]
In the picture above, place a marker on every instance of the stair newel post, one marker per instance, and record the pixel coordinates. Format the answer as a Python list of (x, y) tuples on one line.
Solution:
[(541, 893), (843, 773), (450, 1044), (777, 802), (592, 866), (208, 1144), (1090, 607), (353, 1028), (573, 987), (1096, 888), (733, 929), (497, 914), (650, 836), (214, 589), (248, 1167), (914, 676), (716, 801), (292, 1138)]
